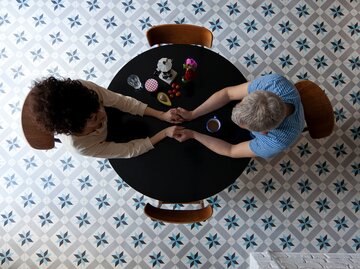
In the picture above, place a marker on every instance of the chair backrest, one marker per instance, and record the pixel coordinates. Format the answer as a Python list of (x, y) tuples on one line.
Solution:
[(35, 136), (178, 216), (179, 34), (319, 114)]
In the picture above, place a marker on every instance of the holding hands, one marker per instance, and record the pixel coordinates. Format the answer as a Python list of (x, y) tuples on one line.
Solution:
[(175, 116), (172, 116), (180, 115), (174, 132), (185, 114), (184, 134)]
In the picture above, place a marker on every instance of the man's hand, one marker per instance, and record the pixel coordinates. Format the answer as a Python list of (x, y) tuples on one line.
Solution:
[(173, 131), (184, 134), (185, 114), (172, 116)]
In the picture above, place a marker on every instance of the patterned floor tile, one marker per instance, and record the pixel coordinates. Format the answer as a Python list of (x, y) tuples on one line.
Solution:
[(63, 211)]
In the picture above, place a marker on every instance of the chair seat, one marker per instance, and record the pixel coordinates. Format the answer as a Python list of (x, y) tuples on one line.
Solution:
[(35, 136), (179, 34), (178, 216), (318, 111)]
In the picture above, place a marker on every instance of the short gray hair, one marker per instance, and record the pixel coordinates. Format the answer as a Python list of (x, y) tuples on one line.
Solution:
[(259, 111)]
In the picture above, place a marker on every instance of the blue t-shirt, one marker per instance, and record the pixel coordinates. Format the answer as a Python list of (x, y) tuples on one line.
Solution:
[(282, 137)]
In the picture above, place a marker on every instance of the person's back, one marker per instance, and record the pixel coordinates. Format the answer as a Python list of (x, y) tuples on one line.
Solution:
[(285, 134)]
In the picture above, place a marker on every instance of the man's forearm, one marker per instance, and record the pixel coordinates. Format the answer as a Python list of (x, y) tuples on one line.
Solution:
[(217, 145), (224, 148), (215, 101)]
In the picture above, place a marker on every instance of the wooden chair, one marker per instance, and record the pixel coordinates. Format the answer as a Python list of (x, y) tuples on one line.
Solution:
[(37, 138), (179, 216), (179, 34), (319, 115)]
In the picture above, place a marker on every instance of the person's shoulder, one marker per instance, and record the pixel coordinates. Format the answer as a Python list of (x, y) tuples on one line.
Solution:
[(264, 147), (88, 83), (273, 77), (92, 86), (274, 80), (268, 78), (263, 82)]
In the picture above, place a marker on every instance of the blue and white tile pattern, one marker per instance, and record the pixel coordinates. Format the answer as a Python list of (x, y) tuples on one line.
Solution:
[(63, 211)]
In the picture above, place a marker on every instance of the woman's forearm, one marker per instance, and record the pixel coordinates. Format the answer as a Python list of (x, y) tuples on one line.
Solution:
[(154, 113), (171, 131), (158, 137)]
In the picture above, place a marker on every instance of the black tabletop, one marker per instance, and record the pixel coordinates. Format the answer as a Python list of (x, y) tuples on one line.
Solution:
[(173, 171)]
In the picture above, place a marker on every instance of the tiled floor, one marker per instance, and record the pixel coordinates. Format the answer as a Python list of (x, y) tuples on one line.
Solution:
[(63, 211)]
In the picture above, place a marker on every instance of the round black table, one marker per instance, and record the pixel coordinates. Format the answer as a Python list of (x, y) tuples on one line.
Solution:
[(173, 171)]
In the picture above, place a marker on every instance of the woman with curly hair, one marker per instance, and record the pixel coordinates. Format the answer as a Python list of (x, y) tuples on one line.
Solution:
[(75, 109)]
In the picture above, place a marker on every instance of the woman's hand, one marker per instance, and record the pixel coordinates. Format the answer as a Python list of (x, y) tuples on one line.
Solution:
[(184, 134), (173, 131), (184, 114), (172, 116)]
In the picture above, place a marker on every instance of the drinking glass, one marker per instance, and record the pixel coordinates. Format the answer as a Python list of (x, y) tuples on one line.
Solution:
[(134, 81)]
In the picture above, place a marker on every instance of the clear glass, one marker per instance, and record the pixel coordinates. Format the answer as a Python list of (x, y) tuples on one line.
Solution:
[(134, 81)]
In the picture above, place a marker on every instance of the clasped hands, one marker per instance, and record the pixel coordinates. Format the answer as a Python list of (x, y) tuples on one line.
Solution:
[(178, 115)]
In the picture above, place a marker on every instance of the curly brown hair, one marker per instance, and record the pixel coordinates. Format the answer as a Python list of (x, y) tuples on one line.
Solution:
[(62, 106)]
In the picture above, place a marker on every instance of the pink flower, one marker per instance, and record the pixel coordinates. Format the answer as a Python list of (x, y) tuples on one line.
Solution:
[(191, 63)]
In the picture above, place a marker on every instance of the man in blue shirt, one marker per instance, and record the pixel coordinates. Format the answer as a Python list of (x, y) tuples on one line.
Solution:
[(270, 108)]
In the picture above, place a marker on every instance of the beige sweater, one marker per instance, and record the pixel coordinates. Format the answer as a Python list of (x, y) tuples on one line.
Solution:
[(94, 144)]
